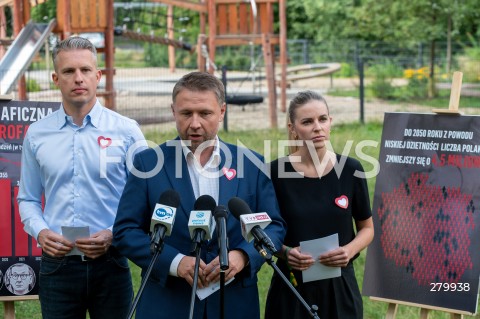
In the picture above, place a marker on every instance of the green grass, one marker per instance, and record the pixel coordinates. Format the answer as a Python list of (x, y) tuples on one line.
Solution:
[(344, 93), (255, 140), (129, 59), (441, 101)]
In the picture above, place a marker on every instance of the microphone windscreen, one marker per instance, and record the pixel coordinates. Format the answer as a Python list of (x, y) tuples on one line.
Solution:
[(219, 212), (170, 198), (205, 202), (238, 206)]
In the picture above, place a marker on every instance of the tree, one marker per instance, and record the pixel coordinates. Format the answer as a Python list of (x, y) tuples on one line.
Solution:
[(44, 12), (404, 23)]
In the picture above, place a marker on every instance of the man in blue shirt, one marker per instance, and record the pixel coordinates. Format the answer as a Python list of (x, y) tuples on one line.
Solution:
[(77, 158)]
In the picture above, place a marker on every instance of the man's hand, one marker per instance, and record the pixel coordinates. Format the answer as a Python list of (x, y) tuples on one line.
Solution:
[(96, 245), (186, 270), (54, 244), (237, 260)]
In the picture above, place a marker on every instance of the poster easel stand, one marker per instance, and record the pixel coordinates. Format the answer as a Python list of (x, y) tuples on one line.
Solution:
[(9, 309), (9, 304), (454, 96), (7, 97), (425, 309)]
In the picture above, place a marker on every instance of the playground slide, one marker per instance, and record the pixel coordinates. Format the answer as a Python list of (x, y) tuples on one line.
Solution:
[(21, 53)]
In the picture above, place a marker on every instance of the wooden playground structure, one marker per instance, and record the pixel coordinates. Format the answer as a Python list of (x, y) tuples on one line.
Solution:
[(72, 17), (222, 23)]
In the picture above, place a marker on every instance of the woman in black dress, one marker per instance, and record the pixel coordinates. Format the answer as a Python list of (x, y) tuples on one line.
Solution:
[(320, 193)]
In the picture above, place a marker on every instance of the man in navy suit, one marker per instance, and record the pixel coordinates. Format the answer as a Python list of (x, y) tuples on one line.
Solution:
[(196, 163)]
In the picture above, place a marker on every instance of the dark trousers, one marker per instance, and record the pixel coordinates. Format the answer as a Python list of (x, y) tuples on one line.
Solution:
[(71, 286)]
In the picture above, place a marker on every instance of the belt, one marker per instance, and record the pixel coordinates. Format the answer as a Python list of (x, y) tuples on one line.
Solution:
[(80, 258)]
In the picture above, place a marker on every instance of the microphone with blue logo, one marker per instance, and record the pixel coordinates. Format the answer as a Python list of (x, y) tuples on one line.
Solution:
[(161, 225), (163, 218), (200, 223), (200, 227)]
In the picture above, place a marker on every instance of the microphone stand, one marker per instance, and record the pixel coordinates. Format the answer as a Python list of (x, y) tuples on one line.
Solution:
[(197, 242), (312, 311), (156, 246), (224, 265), (222, 294)]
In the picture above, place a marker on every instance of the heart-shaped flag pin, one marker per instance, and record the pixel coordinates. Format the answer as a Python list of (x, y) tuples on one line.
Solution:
[(342, 201), (229, 173), (104, 142)]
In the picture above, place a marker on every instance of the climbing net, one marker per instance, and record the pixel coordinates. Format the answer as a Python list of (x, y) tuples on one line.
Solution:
[(148, 22)]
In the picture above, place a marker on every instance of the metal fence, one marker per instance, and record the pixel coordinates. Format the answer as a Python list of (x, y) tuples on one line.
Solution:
[(144, 93)]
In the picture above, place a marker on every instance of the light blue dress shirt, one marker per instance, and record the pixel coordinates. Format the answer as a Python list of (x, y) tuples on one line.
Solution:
[(81, 170)]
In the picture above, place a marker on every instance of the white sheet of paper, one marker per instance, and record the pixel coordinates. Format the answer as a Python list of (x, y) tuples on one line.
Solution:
[(316, 247), (203, 293), (72, 234)]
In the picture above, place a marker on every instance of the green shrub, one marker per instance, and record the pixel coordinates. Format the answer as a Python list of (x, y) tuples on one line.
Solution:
[(347, 70), (381, 85), (129, 58), (417, 86), (469, 63), (387, 69), (156, 55), (33, 86), (470, 68)]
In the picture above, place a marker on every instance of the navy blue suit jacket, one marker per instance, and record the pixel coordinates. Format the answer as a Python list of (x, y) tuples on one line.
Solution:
[(167, 296)]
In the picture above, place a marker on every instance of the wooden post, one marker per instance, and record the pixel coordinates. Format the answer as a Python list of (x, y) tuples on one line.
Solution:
[(200, 58), (455, 91), (283, 55), (212, 33), (424, 313), (391, 311), (9, 304), (3, 30), (18, 24), (424, 309), (9, 309), (270, 75), (109, 58), (67, 27), (171, 35), (454, 95), (26, 12), (203, 19)]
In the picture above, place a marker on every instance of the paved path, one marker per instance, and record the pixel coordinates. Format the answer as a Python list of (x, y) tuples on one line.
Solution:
[(144, 94)]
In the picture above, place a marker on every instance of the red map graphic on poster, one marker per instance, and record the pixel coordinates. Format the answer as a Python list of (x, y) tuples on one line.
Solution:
[(423, 230)]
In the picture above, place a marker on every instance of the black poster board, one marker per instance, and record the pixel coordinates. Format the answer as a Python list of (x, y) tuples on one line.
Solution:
[(19, 254), (426, 212)]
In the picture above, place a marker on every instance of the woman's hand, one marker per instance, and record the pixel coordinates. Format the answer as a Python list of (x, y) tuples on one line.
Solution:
[(338, 257), (297, 260)]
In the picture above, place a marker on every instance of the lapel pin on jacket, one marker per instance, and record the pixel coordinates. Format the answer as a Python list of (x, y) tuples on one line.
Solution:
[(229, 173)]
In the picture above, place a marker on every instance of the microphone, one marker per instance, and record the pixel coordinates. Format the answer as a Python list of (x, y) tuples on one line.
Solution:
[(252, 224), (163, 218), (220, 215), (200, 223)]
